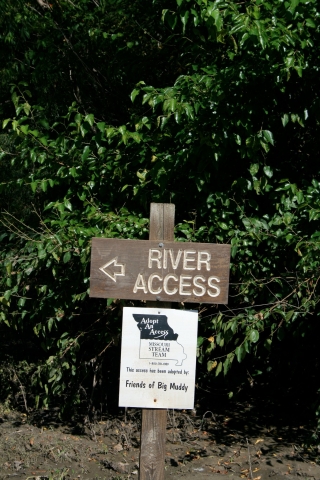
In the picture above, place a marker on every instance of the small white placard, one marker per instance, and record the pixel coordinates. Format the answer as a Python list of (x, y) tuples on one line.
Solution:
[(158, 358)]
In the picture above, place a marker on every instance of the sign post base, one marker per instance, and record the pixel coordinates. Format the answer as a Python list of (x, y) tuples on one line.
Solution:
[(152, 447)]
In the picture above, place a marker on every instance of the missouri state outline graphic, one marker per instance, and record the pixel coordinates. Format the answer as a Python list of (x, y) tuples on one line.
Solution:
[(157, 339)]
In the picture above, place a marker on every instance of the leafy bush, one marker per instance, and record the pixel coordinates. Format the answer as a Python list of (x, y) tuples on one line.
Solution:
[(228, 133)]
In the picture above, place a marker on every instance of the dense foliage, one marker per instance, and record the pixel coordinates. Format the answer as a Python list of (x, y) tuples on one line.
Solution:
[(108, 105)]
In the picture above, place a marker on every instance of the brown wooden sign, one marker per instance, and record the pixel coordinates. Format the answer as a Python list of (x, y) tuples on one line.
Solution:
[(159, 270)]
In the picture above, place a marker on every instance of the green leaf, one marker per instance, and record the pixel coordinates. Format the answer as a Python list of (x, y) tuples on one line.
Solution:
[(267, 344), (200, 341), (310, 23), (240, 353), (44, 123), (254, 336), (35, 133), (4, 301), (293, 5), (268, 171), (90, 119), (66, 257), (5, 122), (134, 93), (21, 302), (285, 119), (85, 153), (261, 33), (290, 59), (219, 368), (50, 323), (110, 132), (146, 98), (78, 118), (101, 126), (73, 171), (237, 139), (223, 225), (44, 185), (83, 130), (234, 250), (254, 168), (300, 197), (170, 17), (289, 315), (189, 111), (164, 121), (169, 105), (226, 366), (184, 20), (68, 205), (26, 108), (24, 129), (267, 135), (136, 136)]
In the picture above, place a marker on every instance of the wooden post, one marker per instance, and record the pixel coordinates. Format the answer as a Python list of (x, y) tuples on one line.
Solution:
[(154, 421)]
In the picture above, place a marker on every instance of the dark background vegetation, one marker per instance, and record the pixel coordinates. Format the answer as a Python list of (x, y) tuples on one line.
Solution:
[(108, 105)]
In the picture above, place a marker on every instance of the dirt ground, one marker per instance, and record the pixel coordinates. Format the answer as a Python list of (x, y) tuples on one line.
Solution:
[(245, 442)]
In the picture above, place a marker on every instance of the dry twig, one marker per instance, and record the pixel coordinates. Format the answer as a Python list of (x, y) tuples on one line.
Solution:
[(249, 461)]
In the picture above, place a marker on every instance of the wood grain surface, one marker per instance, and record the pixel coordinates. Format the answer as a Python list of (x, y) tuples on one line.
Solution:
[(162, 221), (152, 447), (161, 270), (154, 421)]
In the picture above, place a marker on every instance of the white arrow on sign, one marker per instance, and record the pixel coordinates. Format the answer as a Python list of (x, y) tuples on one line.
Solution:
[(110, 275)]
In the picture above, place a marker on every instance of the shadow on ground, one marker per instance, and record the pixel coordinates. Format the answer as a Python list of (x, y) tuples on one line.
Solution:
[(255, 437)]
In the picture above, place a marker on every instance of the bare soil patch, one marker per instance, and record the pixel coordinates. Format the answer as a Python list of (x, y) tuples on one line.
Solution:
[(244, 443)]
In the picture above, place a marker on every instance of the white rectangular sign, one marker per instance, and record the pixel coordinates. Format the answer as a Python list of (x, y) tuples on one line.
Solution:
[(158, 358)]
